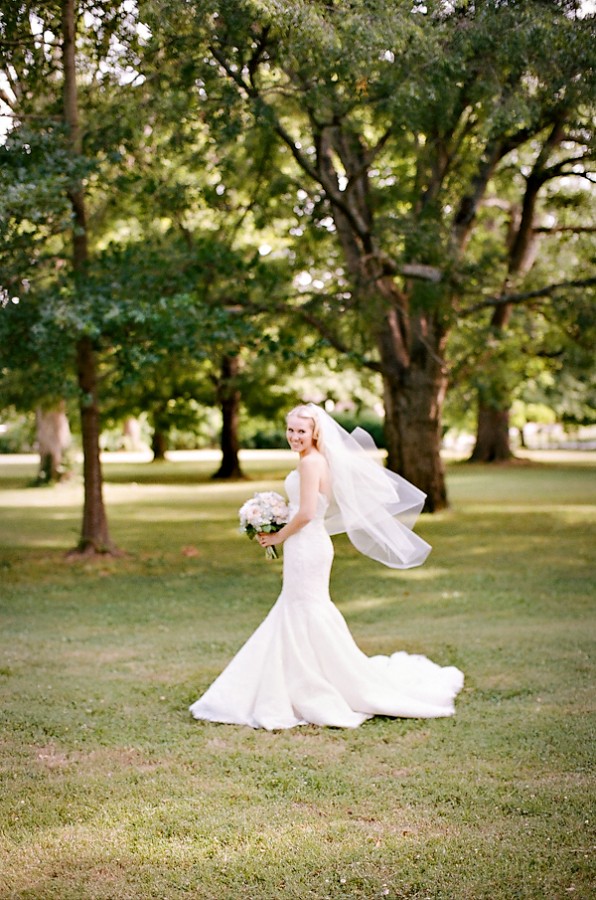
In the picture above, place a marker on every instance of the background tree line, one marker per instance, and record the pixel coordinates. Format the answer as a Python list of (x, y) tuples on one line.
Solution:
[(199, 200)]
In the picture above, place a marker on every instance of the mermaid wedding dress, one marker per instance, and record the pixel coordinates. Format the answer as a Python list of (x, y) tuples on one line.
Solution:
[(302, 665)]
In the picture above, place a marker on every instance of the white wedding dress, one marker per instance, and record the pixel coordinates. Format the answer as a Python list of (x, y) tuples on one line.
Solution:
[(302, 665)]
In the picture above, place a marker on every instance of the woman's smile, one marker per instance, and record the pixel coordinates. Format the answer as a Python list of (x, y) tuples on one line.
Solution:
[(299, 434)]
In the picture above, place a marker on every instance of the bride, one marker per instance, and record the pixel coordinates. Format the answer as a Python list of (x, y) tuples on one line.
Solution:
[(302, 665)]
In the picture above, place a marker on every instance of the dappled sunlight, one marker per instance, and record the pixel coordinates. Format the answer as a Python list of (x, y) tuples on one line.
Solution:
[(401, 577), (402, 599), (524, 488), (365, 604), (512, 510), (426, 573), (110, 850), (61, 542), (61, 516), (148, 512), (42, 498), (478, 550)]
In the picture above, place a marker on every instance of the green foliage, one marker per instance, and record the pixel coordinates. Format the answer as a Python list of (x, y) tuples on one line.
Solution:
[(262, 434), (186, 177), (18, 432), (35, 212), (427, 92), (367, 420), (36, 353)]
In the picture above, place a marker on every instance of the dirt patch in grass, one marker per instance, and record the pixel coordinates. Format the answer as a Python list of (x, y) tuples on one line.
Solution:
[(103, 760)]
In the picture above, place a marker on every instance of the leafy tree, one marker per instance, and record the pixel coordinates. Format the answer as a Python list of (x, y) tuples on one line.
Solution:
[(39, 50), (395, 119), (507, 355)]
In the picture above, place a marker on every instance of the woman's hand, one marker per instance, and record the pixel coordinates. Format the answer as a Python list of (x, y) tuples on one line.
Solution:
[(313, 472)]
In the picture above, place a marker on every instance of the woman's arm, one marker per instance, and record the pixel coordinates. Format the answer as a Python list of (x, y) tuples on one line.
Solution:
[(310, 480)]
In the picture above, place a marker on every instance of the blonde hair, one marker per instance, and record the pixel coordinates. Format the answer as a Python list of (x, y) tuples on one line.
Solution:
[(305, 412)]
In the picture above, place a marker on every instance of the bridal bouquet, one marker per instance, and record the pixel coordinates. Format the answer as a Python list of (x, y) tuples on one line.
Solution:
[(266, 511)]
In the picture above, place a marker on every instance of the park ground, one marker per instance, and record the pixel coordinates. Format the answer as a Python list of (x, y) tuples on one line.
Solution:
[(111, 792)]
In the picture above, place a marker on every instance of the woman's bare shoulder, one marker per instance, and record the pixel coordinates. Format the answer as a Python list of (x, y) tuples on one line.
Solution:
[(314, 462)]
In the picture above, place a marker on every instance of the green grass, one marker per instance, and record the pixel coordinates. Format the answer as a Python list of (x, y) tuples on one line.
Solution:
[(110, 790)]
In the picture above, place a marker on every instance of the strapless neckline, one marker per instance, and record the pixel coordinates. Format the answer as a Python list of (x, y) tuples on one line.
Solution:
[(294, 493)]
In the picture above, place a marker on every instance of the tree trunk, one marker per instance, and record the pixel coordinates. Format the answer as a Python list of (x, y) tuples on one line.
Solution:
[(229, 398), (494, 401), (53, 439), (413, 412), (159, 444), (94, 529), (410, 344), (492, 438)]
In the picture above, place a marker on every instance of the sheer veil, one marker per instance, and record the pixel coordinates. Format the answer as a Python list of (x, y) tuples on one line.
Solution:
[(375, 507)]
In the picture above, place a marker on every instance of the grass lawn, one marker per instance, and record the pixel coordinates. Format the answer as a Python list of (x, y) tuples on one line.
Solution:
[(110, 790)]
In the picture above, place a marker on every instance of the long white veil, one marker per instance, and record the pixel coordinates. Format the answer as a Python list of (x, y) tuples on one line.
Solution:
[(375, 507)]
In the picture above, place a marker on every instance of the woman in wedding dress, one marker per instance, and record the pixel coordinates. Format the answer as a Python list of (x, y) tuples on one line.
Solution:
[(302, 665)]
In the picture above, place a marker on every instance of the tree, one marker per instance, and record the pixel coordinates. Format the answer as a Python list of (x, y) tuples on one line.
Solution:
[(184, 321), (94, 529), (40, 67), (497, 381), (216, 199), (395, 119), (56, 236)]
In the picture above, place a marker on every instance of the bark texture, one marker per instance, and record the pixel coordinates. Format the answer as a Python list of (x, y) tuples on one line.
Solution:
[(492, 425), (413, 430), (409, 341), (94, 531), (492, 438), (414, 386), (131, 434), (159, 444), (229, 397)]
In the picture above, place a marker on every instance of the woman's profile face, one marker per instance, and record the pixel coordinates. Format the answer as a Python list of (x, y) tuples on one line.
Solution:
[(299, 433)]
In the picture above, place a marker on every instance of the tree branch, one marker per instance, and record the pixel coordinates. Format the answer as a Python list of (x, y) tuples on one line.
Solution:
[(571, 229), (517, 299), (251, 90), (494, 152), (40, 117), (334, 340), (406, 270), (7, 99), (319, 325), (373, 152)]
